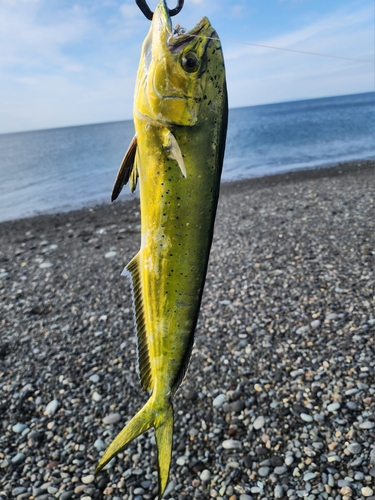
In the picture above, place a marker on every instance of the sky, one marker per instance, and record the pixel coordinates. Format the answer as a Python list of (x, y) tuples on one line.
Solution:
[(65, 62)]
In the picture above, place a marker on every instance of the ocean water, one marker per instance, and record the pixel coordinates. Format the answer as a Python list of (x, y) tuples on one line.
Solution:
[(61, 169)]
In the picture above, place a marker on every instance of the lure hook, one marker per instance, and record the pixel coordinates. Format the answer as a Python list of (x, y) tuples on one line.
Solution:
[(142, 4)]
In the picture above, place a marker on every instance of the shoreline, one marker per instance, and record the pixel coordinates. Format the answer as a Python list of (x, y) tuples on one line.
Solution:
[(329, 171), (278, 401)]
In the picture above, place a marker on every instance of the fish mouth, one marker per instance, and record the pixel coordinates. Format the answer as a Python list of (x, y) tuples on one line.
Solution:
[(175, 40), (176, 43)]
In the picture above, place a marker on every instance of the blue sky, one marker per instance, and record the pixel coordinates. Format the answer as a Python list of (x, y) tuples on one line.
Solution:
[(68, 62)]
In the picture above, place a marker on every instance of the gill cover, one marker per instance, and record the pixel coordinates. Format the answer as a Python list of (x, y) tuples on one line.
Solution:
[(171, 76)]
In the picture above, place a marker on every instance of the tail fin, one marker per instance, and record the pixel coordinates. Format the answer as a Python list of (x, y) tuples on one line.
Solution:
[(151, 415)]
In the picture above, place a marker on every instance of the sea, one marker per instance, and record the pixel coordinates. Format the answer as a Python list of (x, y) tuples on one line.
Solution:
[(54, 170)]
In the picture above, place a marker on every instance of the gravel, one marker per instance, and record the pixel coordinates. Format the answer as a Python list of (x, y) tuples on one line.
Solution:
[(279, 398)]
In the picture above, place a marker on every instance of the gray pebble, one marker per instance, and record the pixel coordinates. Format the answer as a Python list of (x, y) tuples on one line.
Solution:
[(309, 476), (258, 422), (350, 392), (52, 407), (18, 428), (231, 444), (280, 470), (354, 448), (18, 458), (110, 255), (18, 490), (333, 407), (263, 471), (218, 401), (66, 495), (45, 265), (88, 479), (205, 475), (112, 418), (278, 491), (99, 445), (303, 329), (289, 460), (331, 316), (170, 487), (306, 417), (366, 425), (96, 396)]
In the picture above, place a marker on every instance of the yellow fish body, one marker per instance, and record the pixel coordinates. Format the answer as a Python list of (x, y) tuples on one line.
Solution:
[(180, 115)]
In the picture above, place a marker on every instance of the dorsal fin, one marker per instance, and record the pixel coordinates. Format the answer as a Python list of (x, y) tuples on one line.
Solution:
[(125, 170), (143, 355)]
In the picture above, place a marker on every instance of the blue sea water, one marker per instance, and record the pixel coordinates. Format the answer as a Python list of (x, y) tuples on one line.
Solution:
[(61, 169)]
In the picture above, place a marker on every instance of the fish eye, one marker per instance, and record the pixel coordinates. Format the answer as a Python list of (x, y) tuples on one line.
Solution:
[(190, 62)]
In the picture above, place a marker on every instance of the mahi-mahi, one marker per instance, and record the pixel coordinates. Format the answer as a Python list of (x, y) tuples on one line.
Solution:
[(180, 116)]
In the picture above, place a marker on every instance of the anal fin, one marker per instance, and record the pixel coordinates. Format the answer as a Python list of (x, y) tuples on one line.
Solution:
[(133, 269)]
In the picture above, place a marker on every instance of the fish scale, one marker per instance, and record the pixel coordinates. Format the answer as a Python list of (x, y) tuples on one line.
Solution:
[(180, 116)]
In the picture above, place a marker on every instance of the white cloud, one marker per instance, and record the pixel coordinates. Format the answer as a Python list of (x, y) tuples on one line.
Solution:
[(77, 64), (262, 75)]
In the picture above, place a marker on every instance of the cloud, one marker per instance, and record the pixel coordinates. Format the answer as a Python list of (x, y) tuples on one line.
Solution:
[(68, 66), (65, 63), (269, 75)]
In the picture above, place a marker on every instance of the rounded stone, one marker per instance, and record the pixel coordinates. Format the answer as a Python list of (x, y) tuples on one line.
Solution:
[(110, 255), (367, 425), (18, 428), (289, 460), (354, 448), (88, 479), (309, 476), (99, 445), (263, 471), (218, 401), (66, 495), (18, 490), (231, 444), (333, 407), (45, 265), (205, 475), (280, 470), (52, 407), (96, 396), (306, 417), (303, 329), (112, 418), (367, 491), (19, 458), (258, 423), (278, 491)]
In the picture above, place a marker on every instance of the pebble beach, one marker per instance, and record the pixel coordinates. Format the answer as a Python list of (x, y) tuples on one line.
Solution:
[(279, 399)]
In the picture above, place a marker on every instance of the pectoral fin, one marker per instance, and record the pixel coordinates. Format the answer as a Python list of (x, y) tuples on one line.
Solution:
[(175, 151), (127, 170)]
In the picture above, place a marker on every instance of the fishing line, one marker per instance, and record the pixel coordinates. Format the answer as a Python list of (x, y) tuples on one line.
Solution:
[(365, 61)]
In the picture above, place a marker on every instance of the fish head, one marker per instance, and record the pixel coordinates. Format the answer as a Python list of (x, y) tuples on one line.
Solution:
[(172, 73)]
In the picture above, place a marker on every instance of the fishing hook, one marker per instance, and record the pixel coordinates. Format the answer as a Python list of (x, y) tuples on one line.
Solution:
[(142, 4)]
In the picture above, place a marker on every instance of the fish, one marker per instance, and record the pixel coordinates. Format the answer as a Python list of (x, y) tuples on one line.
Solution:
[(176, 156)]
